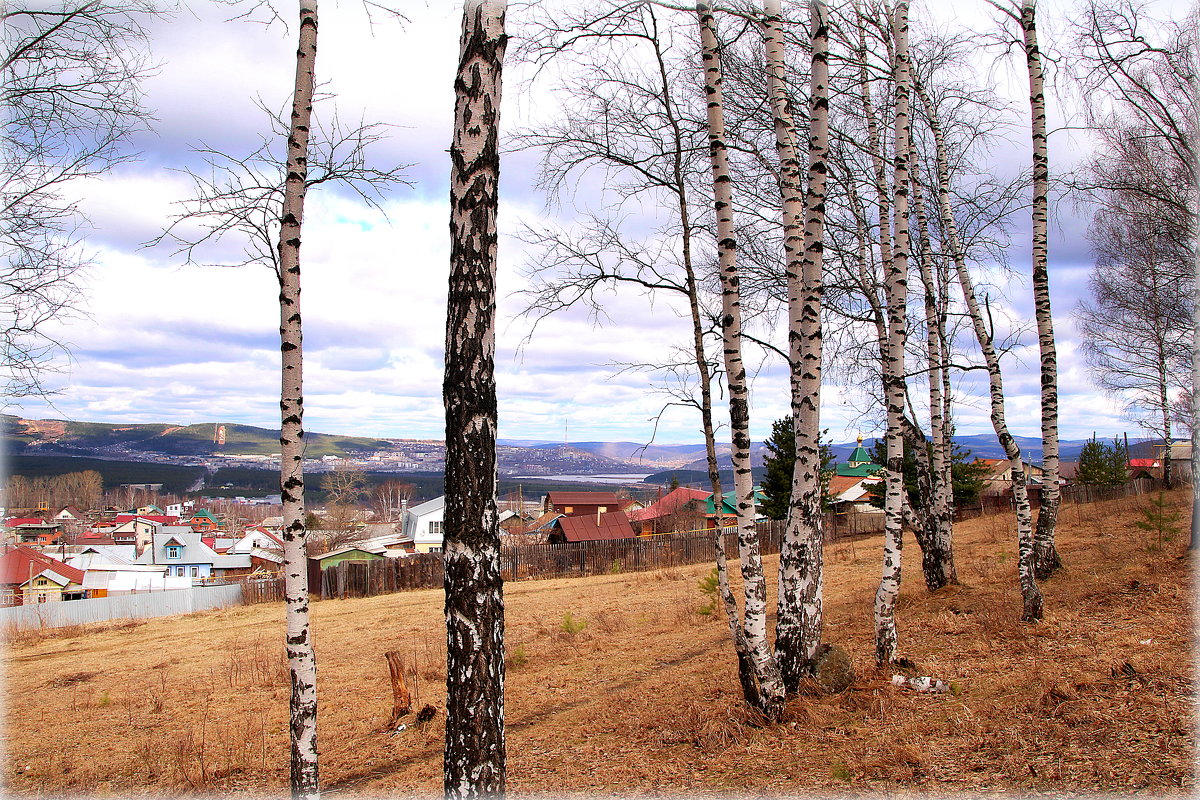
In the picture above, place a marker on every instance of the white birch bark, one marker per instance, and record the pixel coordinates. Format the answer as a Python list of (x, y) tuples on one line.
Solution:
[(302, 663), (474, 761), (770, 684), (746, 672), (1031, 596), (801, 556), (938, 550), (1046, 558), (886, 638)]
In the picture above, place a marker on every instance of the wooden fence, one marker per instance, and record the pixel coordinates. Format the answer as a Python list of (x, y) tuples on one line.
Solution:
[(1076, 493), (260, 589), (572, 559)]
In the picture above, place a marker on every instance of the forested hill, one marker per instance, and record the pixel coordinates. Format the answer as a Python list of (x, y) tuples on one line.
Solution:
[(29, 437)]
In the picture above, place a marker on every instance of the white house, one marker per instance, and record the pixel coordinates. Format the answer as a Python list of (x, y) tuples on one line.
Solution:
[(423, 525), (256, 539)]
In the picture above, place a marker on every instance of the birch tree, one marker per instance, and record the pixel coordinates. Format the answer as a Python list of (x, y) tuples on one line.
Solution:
[(766, 668), (257, 199), (1137, 75), (302, 660), (1031, 596), (475, 755), (886, 640), (799, 626), (1045, 555)]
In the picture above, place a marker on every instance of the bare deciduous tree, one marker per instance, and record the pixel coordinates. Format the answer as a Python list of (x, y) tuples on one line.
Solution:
[(388, 498), (70, 87), (1031, 596), (258, 200), (896, 282), (475, 756), (1137, 75)]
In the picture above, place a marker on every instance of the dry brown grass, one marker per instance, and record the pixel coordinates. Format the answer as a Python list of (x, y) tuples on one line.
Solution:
[(619, 684)]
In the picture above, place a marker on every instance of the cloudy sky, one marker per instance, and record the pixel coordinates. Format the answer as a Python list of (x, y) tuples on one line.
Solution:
[(167, 342)]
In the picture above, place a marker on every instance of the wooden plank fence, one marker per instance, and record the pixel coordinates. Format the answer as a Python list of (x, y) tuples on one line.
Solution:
[(572, 559), (1075, 493)]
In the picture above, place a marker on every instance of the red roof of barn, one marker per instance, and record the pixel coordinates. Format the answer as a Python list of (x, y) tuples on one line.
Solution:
[(613, 525)]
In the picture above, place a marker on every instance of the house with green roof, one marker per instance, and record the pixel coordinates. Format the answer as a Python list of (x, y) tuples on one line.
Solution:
[(729, 509), (204, 522)]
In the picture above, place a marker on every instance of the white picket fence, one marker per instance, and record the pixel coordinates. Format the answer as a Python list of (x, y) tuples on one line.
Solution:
[(139, 605)]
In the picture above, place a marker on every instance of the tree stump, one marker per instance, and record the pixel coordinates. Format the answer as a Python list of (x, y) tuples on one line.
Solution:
[(401, 699)]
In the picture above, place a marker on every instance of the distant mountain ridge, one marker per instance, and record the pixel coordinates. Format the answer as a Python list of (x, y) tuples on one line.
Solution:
[(62, 437)]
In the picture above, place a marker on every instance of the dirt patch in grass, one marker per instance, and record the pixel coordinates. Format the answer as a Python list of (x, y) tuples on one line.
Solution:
[(620, 684)]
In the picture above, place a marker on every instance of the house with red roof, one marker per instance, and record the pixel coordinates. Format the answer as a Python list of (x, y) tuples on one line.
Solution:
[(27, 576), (681, 509), (1145, 468)]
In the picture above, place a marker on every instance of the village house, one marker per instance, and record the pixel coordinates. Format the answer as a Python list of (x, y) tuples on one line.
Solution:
[(422, 525), (997, 475), (380, 547), (728, 515), (184, 554), (681, 509), (204, 522), (28, 576), (34, 530), (850, 486)]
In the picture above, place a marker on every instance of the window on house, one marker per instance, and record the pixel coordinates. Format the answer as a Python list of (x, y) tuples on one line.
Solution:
[(174, 551), (568, 509), (435, 549), (195, 572), (435, 527), (602, 509)]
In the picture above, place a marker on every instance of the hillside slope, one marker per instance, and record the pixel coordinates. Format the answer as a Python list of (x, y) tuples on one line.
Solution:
[(640, 695)]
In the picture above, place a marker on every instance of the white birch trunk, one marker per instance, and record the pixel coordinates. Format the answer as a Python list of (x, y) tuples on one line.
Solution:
[(886, 638), (1046, 559), (733, 618), (1031, 596), (801, 556), (302, 662), (770, 685), (937, 550), (475, 755)]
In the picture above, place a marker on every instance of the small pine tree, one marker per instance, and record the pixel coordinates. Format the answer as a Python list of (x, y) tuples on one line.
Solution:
[(779, 465), (1160, 519)]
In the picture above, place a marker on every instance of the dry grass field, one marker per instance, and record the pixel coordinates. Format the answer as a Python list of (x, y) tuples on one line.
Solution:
[(620, 685)]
